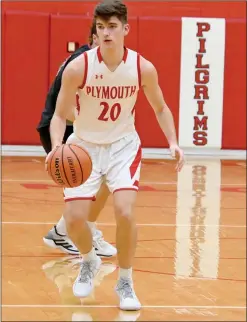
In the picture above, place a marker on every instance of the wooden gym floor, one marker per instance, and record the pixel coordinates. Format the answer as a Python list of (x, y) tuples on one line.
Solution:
[(190, 261)]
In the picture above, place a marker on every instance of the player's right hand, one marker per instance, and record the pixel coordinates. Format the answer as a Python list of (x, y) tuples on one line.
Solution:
[(49, 154)]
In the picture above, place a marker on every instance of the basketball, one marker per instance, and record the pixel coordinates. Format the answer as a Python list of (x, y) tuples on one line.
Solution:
[(69, 165)]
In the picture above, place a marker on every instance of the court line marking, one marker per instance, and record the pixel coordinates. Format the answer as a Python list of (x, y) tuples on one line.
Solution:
[(175, 183), (115, 306), (142, 182), (113, 224)]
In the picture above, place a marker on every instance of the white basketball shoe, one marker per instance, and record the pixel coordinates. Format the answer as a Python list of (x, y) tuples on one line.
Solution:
[(56, 240), (126, 294), (84, 282)]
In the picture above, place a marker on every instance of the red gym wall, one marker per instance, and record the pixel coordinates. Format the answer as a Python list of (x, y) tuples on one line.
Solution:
[(34, 39)]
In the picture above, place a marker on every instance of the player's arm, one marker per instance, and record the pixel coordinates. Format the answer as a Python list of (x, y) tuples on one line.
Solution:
[(71, 115), (71, 80), (153, 93), (58, 79)]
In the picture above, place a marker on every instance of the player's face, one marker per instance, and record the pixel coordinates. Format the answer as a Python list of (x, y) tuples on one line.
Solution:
[(111, 33)]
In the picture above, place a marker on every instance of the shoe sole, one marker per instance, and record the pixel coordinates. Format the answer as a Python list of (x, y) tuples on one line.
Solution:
[(130, 308), (101, 255), (50, 243)]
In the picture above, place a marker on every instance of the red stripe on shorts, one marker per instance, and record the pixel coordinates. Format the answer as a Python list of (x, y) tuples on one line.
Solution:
[(136, 184), (136, 162), (80, 198), (122, 189)]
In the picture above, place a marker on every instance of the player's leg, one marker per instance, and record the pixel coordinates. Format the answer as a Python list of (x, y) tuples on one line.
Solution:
[(102, 247), (57, 236), (76, 215), (126, 239), (126, 233), (123, 179), (78, 205)]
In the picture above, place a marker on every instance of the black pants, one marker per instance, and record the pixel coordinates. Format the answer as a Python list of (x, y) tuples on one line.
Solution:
[(46, 139)]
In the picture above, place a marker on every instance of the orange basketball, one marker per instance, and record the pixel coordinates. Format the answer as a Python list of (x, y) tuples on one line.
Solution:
[(69, 165)]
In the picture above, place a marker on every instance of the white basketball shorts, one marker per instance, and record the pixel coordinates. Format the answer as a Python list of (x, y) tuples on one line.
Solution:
[(119, 164)]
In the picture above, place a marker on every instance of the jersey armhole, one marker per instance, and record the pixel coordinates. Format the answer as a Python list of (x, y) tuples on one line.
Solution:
[(139, 71), (85, 71)]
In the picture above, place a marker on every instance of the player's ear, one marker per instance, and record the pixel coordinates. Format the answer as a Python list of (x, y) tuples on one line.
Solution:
[(95, 40), (126, 29)]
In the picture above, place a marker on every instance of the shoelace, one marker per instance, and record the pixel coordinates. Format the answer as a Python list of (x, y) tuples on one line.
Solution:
[(98, 239), (125, 289), (86, 272)]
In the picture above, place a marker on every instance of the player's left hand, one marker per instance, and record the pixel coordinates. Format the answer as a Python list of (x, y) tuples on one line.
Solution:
[(177, 154)]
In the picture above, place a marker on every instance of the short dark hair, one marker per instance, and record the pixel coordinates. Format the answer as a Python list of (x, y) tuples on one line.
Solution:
[(93, 31), (109, 8)]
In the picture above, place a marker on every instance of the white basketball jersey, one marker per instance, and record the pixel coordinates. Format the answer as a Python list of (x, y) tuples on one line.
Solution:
[(106, 99)]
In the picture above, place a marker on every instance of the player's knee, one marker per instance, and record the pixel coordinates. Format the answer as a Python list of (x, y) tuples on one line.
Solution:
[(74, 219), (123, 214)]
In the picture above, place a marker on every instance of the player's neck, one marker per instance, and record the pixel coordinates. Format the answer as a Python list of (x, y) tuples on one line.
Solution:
[(112, 57)]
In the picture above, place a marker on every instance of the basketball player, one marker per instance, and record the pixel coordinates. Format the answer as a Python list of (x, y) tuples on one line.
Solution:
[(107, 79), (56, 237)]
